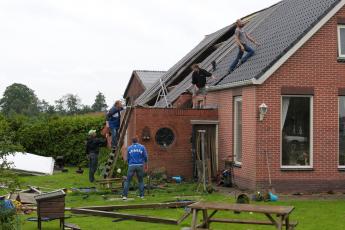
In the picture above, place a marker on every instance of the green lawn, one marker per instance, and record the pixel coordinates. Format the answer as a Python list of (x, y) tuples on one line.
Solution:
[(311, 214)]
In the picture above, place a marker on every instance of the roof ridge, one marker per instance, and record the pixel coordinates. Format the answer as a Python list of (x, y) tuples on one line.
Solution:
[(159, 71)]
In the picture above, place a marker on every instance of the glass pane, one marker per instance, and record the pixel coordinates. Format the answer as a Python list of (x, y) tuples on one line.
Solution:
[(342, 131), (342, 41), (238, 130), (295, 131)]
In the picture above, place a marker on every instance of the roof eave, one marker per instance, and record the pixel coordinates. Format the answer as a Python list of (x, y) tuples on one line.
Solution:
[(231, 85)]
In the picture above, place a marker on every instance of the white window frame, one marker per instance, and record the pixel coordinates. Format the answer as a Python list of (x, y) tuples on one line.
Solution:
[(310, 132), (341, 55), (237, 99), (339, 166)]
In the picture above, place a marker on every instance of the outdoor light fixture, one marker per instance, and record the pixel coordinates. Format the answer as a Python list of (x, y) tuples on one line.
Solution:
[(262, 111)]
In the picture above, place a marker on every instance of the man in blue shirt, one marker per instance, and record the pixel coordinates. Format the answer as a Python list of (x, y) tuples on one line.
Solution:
[(113, 121), (136, 158)]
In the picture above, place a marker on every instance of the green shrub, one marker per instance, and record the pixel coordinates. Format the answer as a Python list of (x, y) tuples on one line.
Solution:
[(58, 136)]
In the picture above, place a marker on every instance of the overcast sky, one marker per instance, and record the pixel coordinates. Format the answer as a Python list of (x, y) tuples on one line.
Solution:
[(81, 47)]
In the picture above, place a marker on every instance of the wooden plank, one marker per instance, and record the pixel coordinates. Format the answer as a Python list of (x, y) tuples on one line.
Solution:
[(58, 205), (109, 180), (270, 209), (140, 206), (194, 219), (183, 217), (142, 218), (243, 221)]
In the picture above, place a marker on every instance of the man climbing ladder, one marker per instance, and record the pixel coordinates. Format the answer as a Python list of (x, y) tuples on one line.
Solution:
[(242, 38)]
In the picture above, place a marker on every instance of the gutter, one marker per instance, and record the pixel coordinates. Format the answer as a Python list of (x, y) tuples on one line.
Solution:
[(252, 81)]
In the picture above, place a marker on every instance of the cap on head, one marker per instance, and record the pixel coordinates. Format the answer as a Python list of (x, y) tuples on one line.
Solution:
[(92, 132)]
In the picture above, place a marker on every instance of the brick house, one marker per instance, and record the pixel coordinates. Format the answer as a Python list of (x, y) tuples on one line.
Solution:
[(298, 74)]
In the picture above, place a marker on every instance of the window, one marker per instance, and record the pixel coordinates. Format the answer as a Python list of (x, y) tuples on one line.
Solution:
[(296, 128), (238, 130), (342, 131), (341, 41), (165, 137)]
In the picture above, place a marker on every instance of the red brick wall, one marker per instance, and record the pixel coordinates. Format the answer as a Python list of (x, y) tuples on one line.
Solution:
[(314, 65), (135, 89), (245, 174), (177, 158)]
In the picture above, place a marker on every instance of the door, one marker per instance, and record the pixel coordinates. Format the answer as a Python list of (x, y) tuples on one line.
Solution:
[(210, 142)]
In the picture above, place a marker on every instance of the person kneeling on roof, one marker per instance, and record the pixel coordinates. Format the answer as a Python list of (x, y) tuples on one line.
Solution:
[(199, 83), (241, 38), (137, 163)]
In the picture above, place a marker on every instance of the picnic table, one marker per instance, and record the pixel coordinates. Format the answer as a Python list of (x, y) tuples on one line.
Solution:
[(281, 212)]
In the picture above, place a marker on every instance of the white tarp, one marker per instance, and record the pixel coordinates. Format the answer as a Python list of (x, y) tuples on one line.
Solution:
[(31, 163)]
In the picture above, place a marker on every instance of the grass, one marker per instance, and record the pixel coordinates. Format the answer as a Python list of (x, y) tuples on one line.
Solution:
[(311, 214)]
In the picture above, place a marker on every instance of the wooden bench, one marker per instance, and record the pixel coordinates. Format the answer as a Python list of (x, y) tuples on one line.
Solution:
[(281, 212)]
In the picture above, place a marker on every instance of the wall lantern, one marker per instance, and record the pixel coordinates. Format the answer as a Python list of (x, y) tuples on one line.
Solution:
[(262, 111), (146, 134)]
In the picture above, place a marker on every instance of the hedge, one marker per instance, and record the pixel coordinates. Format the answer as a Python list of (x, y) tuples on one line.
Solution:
[(59, 136)]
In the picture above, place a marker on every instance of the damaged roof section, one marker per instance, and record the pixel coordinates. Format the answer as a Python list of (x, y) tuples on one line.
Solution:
[(180, 70), (218, 55), (277, 28)]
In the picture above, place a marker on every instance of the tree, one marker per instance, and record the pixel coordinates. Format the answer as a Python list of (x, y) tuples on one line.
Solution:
[(19, 99), (68, 104), (7, 146), (99, 105), (43, 106)]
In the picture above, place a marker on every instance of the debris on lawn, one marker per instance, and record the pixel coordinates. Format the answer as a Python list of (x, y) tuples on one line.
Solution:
[(108, 211), (25, 196), (30, 163)]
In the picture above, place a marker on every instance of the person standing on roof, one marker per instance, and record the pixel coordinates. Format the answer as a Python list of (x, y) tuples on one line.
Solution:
[(241, 38), (92, 150), (137, 163), (113, 121), (199, 83)]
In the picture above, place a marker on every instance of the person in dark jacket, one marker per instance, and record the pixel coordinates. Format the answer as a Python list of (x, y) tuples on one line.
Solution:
[(92, 150), (137, 159), (199, 83), (113, 121)]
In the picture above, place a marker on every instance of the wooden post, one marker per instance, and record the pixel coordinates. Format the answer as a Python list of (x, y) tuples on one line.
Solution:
[(202, 133)]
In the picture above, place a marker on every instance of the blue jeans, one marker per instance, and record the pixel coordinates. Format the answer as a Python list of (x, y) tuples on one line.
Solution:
[(113, 136), (93, 162), (250, 52), (139, 170)]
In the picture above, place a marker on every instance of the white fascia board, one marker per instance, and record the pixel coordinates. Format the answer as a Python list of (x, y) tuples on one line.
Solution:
[(230, 85)]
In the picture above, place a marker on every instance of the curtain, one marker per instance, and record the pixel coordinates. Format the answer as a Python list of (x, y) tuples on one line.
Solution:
[(285, 108)]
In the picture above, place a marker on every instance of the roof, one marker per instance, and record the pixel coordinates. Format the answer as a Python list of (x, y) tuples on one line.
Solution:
[(170, 75), (278, 32), (280, 29), (145, 77), (148, 77)]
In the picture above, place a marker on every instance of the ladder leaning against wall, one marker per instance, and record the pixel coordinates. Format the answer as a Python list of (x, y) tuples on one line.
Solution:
[(115, 152)]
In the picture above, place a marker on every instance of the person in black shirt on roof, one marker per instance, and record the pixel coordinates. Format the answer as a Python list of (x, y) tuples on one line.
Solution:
[(199, 83)]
